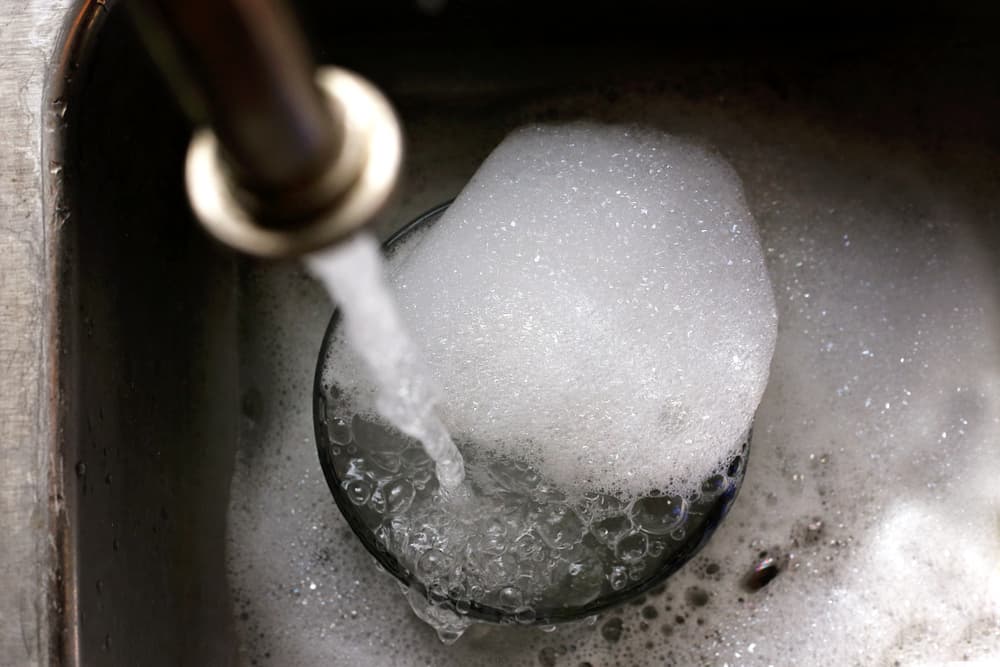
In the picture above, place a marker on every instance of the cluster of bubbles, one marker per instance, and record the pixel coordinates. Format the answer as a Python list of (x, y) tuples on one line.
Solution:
[(509, 545)]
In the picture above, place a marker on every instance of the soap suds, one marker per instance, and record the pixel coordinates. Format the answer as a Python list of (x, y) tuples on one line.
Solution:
[(595, 302), (871, 490)]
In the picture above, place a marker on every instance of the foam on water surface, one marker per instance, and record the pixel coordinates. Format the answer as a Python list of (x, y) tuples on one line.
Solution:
[(352, 274), (595, 302), (870, 501)]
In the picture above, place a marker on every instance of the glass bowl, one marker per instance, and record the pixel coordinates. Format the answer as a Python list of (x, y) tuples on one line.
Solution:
[(376, 476)]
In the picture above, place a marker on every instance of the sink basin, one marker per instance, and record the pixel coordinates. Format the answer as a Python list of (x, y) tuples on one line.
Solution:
[(191, 486)]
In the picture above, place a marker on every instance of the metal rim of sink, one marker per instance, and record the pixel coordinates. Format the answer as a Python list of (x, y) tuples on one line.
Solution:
[(688, 548)]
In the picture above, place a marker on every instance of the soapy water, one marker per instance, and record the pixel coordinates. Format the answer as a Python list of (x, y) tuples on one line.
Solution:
[(872, 490), (351, 272), (513, 548), (599, 466)]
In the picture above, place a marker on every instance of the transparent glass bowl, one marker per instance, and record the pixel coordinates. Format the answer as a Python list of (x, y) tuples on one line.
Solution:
[(353, 456)]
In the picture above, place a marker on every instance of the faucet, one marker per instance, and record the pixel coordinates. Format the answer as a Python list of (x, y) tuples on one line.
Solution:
[(288, 159)]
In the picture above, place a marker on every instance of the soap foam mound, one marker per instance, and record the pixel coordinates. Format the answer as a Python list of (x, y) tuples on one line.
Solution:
[(596, 302)]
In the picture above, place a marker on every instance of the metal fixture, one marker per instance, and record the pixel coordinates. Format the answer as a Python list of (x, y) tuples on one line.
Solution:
[(292, 162), (355, 185)]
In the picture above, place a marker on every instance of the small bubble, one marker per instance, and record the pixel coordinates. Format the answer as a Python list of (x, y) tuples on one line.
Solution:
[(358, 492), (510, 597), (618, 577), (399, 496), (656, 548), (377, 502), (658, 515), (632, 548), (714, 486), (612, 629), (432, 563), (734, 467), (338, 430)]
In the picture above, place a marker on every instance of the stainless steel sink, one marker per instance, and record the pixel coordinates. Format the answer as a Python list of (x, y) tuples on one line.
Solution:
[(164, 373)]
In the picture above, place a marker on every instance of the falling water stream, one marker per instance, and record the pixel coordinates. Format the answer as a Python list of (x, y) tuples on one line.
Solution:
[(352, 273)]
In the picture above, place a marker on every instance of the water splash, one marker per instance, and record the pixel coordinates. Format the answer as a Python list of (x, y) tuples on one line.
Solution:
[(352, 273)]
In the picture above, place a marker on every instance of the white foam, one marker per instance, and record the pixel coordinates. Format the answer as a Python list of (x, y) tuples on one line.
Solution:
[(881, 419), (595, 301)]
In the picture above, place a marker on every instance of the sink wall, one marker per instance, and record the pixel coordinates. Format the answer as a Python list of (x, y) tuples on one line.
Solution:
[(147, 375), (168, 358)]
